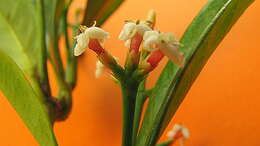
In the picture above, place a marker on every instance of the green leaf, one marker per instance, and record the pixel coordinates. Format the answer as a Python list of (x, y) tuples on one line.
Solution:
[(99, 11), (200, 40), (27, 103), (20, 32)]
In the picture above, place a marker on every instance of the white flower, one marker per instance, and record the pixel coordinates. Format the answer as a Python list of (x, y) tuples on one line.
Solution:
[(84, 37), (179, 129), (99, 69), (130, 29), (167, 43)]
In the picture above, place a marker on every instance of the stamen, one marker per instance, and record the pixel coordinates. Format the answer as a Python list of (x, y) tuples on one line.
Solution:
[(82, 28), (95, 23)]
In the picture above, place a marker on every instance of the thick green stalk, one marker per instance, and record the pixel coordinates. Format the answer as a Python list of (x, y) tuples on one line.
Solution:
[(129, 91)]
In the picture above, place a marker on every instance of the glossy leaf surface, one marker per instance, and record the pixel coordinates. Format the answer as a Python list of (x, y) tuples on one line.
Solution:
[(200, 40)]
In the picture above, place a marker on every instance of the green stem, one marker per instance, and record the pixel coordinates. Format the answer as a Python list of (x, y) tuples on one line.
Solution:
[(63, 102), (71, 69), (129, 91), (65, 27), (42, 67), (56, 57)]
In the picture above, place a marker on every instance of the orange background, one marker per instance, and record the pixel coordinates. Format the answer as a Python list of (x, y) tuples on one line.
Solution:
[(221, 109)]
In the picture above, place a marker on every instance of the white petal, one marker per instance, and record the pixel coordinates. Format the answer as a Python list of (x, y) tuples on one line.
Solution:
[(176, 128), (185, 132), (127, 43), (98, 73), (99, 69), (150, 43), (128, 31), (148, 34), (170, 134), (150, 40), (179, 128), (82, 44), (142, 28), (168, 37), (173, 54), (97, 33)]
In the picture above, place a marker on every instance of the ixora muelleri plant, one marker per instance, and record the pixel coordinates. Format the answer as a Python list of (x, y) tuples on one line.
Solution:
[(147, 47), (24, 74)]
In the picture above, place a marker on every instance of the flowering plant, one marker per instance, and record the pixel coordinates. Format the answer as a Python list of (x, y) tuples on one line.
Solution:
[(24, 74)]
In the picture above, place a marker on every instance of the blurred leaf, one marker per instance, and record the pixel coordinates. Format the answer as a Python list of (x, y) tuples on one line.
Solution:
[(200, 40), (53, 11), (99, 11), (25, 101), (20, 33)]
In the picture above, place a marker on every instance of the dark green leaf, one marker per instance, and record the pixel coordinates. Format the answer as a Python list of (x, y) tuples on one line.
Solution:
[(200, 40), (27, 103), (99, 11)]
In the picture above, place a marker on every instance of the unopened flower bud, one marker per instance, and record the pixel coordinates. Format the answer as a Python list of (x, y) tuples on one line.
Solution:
[(151, 18)]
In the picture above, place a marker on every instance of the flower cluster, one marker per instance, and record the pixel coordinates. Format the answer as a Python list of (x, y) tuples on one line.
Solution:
[(146, 46)]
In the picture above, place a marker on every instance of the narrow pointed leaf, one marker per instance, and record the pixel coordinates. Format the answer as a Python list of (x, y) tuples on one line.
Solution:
[(27, 103), (99, 11), (200, 40)]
